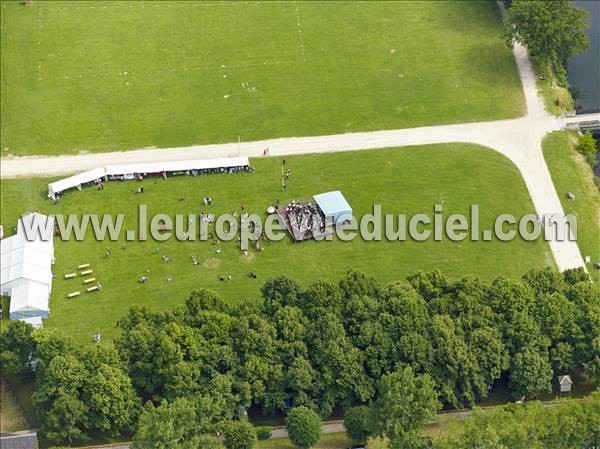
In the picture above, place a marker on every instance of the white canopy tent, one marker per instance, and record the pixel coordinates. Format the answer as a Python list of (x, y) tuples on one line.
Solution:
[(334, 205), (75, 181), (22, 259), (176, 166), (129, 170), (26, 271), (29, 300)]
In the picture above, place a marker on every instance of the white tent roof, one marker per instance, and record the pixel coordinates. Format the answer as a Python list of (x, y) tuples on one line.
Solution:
[(24, 260), (171, 166), (38, 223), (75, 180), (29, 296), (333, 204), (26, 269)]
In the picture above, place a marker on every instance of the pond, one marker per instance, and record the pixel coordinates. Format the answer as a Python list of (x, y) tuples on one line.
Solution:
[(584, 69)]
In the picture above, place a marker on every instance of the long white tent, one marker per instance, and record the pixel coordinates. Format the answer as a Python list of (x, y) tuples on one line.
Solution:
[(128, 170), (75, 181), (176, 166), (26, 270)]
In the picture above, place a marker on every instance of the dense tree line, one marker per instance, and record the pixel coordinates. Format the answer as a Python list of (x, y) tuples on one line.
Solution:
[(188, 372), (79, 389)]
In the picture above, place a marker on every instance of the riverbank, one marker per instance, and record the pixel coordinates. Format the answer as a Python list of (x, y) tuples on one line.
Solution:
[(571, 173)]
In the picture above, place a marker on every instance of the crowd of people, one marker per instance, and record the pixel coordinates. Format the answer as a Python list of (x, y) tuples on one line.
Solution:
[(305, 219)]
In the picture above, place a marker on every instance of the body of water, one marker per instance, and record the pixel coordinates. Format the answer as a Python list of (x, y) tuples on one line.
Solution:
[(584, 69)]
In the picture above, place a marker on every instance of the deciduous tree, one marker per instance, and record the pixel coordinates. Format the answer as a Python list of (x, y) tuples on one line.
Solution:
[(552, 30), (239, 435), (404, 403), (304, 427)]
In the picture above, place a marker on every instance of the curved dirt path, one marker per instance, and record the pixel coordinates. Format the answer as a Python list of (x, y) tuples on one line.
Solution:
[(518, 139)]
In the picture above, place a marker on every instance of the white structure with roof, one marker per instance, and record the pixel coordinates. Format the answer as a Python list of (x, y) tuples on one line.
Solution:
[(26, 270), (75, 181), (127, 171), (176, 166), (566, 383), (334, 205)]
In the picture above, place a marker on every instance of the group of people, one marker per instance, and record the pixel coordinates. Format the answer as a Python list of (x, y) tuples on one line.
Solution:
[(304, 218)]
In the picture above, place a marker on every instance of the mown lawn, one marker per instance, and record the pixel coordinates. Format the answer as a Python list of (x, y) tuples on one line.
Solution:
[(10, 417), (571, 173), (404, 181), (327, 441), (105, 76), (557, 99)]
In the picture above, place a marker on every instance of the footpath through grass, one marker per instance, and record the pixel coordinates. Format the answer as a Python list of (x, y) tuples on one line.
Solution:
[(571, 173), (408, 181), (115, 75)]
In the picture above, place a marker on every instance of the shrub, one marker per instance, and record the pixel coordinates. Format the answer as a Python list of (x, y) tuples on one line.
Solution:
[(263, 432), (587, 146), (240, 435)]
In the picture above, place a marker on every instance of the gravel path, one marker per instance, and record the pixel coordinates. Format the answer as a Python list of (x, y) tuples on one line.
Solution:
[(518, 139)]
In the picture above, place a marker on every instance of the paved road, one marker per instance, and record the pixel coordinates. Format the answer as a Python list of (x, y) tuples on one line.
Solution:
[(518, 139)]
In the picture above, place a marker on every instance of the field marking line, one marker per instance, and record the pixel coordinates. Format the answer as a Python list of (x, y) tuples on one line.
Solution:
[(39, 26), (299, 28), (180, 69)]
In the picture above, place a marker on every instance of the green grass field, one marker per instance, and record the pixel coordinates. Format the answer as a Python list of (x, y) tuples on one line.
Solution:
[(571, 173), (408, 180), (105, 76), (327, 441), (10, 416)]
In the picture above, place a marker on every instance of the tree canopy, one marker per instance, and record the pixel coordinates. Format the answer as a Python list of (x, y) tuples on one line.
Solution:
[(552, 30), (408, 344), (304, 427)]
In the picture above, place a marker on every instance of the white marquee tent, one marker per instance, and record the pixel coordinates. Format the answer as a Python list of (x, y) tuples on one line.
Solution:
[(29, 300), (75, 181), (176, 166), (26, 272), (129, 170)]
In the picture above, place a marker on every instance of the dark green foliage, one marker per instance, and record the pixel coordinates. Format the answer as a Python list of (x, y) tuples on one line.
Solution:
[(357, 421), (176, 425), (567, 424), (78, 389), (304, 427), (84, 390), (240, 435), (588, 147), (405, 403), (404, 346), (263, 432), (16, 348), (552, 31)]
